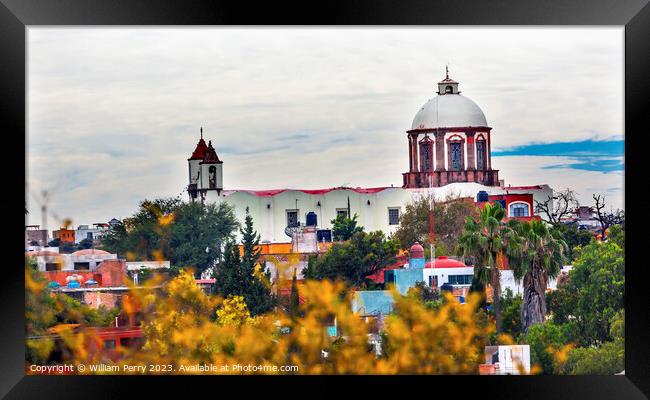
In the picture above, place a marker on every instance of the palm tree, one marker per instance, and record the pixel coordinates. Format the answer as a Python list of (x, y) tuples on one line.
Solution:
[(535, 255), (483, 239)]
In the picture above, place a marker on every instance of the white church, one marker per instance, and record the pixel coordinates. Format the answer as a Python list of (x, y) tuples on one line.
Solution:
[(449, 146)]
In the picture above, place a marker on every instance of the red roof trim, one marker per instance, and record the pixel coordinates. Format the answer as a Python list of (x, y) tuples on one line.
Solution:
[(273, 192), (521, 187)]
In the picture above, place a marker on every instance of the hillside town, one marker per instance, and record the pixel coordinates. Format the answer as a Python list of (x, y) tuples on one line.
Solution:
[(457, 269)]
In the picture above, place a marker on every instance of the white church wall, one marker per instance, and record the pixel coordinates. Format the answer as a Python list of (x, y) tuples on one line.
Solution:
[(270, 212)]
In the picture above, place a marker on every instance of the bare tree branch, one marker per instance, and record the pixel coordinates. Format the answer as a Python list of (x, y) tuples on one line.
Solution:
[(607, 218), (556, 207)]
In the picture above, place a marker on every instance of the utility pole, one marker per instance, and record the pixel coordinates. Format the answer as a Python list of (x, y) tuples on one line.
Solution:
[(432, 248)]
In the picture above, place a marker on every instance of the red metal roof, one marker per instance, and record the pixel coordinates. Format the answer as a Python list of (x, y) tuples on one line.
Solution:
[(444, 262), (273, 192), (378, 277)]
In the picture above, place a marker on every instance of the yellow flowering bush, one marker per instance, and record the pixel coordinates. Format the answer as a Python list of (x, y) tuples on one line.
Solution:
[(184, 327), (234, 312)]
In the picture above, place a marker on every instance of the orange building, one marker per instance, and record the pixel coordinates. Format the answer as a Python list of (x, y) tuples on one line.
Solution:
[(64, 235)]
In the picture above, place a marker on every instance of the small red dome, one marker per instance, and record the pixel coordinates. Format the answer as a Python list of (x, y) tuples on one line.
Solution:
[(446, 262), (416, 251)]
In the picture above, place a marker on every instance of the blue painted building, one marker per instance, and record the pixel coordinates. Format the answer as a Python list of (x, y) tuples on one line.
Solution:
[(372, 302)]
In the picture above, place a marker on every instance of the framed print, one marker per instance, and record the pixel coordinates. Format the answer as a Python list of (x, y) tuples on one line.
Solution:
[(378, 195)]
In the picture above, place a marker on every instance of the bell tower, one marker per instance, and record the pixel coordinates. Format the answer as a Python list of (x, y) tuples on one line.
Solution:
[(205, 170)]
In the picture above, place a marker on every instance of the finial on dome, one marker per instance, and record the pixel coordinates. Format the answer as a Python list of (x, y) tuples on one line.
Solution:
[(447, 71), (201, 132)]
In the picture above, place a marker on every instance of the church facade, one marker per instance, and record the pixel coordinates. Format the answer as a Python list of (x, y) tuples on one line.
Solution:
[(449, 147)]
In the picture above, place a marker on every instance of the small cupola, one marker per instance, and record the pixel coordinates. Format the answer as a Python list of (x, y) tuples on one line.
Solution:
[(447, 85)]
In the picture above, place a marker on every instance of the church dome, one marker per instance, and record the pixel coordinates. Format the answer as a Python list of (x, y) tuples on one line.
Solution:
[(449, 109)]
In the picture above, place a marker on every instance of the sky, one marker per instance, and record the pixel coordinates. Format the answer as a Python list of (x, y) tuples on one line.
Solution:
[(114, 113)]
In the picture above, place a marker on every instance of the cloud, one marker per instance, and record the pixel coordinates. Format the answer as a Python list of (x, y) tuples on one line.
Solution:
[(589, 147), (589, 155)]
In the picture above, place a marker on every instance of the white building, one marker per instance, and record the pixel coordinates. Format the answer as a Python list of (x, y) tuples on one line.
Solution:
[(450, 125), (93, 233), (82, 260), (507, 360)]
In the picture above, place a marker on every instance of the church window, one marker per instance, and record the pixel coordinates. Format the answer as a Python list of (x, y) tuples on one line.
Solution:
[(212, 171), (425, 156), (433, 281), (292, 218), (480, 155), (393, 216), (519, 210), (456, 156), (342, 213), (449, 89)]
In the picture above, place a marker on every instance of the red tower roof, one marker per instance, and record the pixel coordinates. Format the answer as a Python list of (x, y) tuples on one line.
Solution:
[(200, 150), (210, 154)]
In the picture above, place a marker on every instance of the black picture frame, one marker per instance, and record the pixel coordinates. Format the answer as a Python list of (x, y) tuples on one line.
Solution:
[(16, 15)]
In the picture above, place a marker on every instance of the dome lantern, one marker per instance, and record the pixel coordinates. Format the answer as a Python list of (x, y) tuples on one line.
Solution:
[(447, 85)]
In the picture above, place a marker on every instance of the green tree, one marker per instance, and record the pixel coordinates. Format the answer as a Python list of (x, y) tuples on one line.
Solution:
[(449, 215), (561, 302), (598, 279), (67, 248), (240, 276), (573, 237), (85, 244), (511, 316), (545, 340), (483, 239), (354, 260), (145, 235), (344, 227), (294, 299), (198, 233), (187, 234), (607, 359), (431, 297), (535, 255)]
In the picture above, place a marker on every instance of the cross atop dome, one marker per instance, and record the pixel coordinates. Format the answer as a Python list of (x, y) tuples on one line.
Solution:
[(447, 85)]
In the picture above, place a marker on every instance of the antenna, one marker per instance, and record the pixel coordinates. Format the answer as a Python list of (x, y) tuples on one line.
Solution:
[(43, 201)]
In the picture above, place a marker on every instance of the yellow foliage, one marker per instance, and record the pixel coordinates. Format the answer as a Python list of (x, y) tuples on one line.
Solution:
[(165, 220), (233, 312), (184, 327)]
